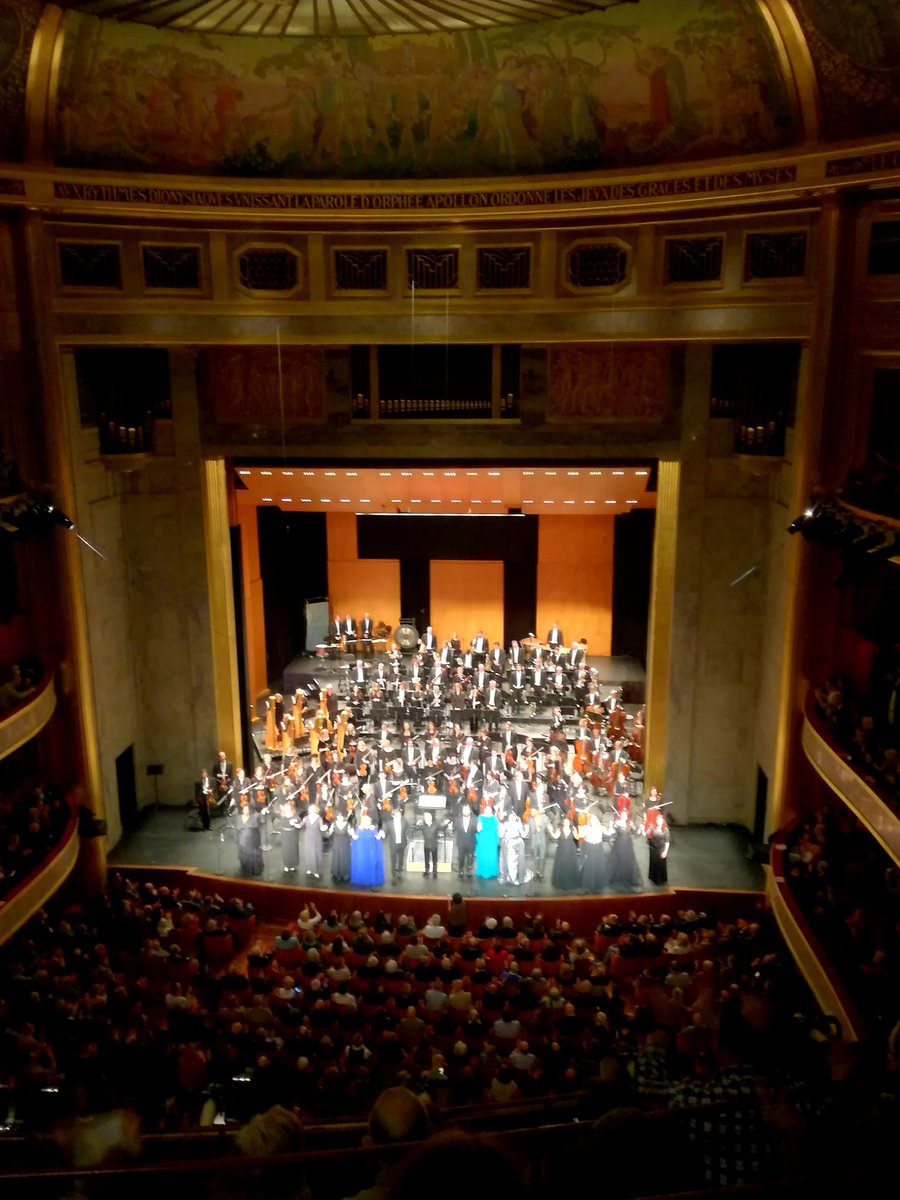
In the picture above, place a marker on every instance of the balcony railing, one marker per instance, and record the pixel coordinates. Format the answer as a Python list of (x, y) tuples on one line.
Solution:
[(858, 793), (24, 722), (806, 949), (35, 889)]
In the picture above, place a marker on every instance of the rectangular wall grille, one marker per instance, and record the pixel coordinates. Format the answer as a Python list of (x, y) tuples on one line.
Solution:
[(694, 260), (775, 255), (268, 270), (597, 265), (884, 248), (89, 265), (503, 268), (171, 268), (433, 270), (360, 270)]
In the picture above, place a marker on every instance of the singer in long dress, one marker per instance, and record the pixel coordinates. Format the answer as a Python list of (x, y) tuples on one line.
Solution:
[(487, 845), (313, 850), (366, 854), (658, 845), (340, 849), (595, 872), (249, 842), (565, 862), (624, 875), (290, 837)]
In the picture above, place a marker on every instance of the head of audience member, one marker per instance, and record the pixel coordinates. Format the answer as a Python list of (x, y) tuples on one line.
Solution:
[(397, 1115)]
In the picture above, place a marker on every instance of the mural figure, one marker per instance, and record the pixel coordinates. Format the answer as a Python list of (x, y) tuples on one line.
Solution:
[(685, 80)]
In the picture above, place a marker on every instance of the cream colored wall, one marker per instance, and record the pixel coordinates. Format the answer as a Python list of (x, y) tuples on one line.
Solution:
[(718, 624), (146, 599)]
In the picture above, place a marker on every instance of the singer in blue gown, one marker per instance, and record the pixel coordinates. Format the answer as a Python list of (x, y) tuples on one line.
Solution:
[(487, 846), (366, 855)]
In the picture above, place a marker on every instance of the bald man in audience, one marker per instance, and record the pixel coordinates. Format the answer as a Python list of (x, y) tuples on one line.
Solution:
[(397, 1116)]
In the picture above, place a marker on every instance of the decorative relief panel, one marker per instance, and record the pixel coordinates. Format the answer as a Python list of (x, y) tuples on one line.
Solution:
[(171, 268), (246, 386), (433, 270), (597, 265), (360, 269), (268, 269), (608, 383), (503, 268), (694, 260), (90, 264), (775, 255)]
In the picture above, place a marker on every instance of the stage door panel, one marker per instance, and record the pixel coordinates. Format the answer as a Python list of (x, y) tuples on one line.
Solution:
[(467, 596), (575, 575), (369, 585)]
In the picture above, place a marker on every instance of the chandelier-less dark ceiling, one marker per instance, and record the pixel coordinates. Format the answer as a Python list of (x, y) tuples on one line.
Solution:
[(336, 18)]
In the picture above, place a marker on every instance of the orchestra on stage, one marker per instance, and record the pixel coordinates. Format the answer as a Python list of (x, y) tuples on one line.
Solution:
[(431, 737)]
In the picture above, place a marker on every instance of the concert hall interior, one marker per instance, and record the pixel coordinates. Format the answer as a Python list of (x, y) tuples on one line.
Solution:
[(336, 338)]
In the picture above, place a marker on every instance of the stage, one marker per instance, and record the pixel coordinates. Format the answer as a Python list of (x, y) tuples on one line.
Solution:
[(713, 857)]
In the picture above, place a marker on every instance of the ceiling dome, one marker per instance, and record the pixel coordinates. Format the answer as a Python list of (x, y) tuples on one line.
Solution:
[(336, 18)]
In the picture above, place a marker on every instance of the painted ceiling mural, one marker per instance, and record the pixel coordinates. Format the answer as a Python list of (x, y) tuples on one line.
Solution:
[(18, 21), (654, 83), (855, 45)]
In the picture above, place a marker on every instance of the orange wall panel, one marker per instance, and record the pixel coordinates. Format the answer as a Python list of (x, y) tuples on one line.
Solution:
[(574, 579), (369, 585), (341, 533), (467, 596)]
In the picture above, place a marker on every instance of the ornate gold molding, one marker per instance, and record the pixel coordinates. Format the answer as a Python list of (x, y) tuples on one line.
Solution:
[(40, 91), (796, 65), (659, 635), (223, 636)]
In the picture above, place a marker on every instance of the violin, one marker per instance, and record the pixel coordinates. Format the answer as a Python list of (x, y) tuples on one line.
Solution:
[(404, 794)]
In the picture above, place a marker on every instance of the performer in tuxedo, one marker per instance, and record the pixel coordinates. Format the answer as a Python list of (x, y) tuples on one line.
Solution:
[(464, 833), (555, 638), (539, 678), (516, 656), (497, 660), (366, 633), (359, 673), (203, 795), (616, 713), (397, 835), (430, 843), (480, 645), (519, 792), (223, 774), (481, 678), (492, 702), (348, 628), (428, 641), (335, 629), (575, 657), (508, 740), (517, 684)]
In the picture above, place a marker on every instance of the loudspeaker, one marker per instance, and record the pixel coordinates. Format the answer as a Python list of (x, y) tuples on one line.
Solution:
[(407, 637)]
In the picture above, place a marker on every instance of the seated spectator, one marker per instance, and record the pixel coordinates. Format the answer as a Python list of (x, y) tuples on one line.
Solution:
[(434, 930)]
